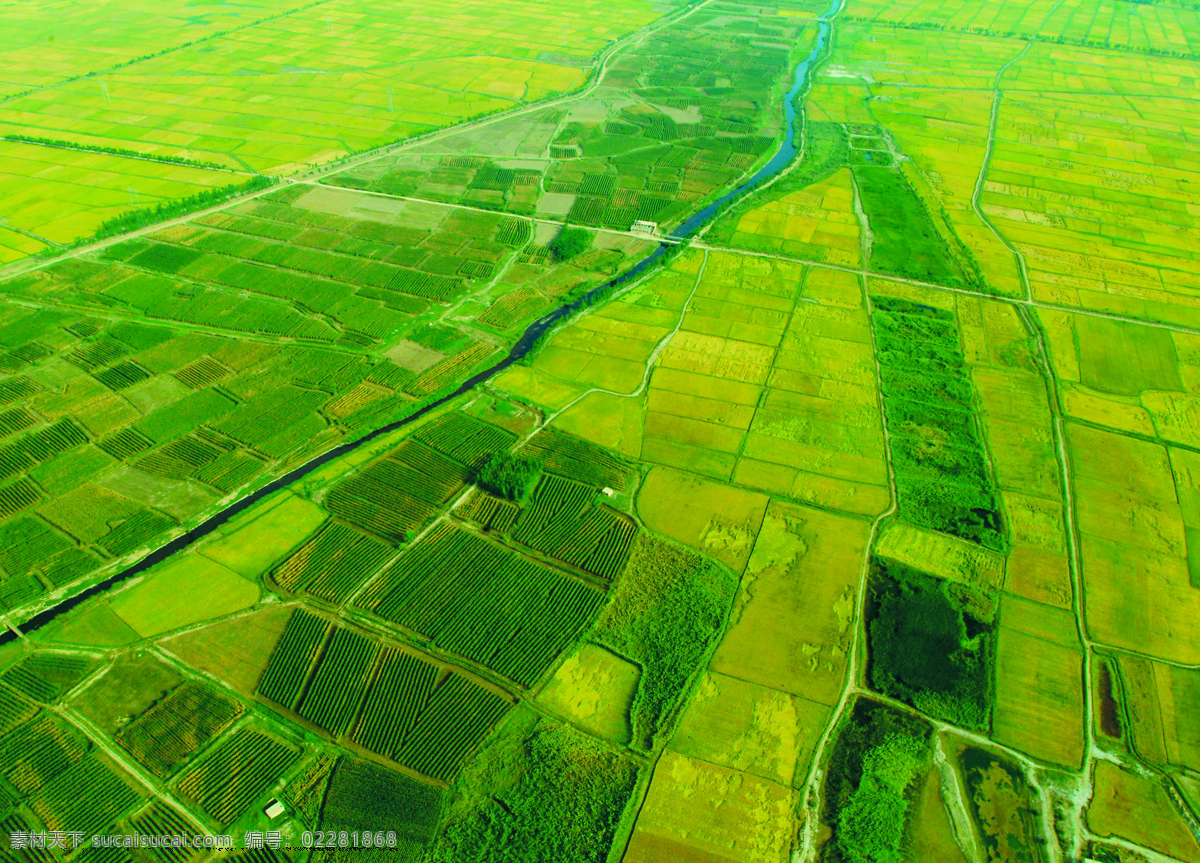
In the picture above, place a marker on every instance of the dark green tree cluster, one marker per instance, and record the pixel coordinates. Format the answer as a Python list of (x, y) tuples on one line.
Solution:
[(880, 755), (928, 400), (925, 649), (508, 476), (569, 243)]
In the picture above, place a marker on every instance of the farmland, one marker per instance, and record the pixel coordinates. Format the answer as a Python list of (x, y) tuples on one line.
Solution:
[(340, 467)]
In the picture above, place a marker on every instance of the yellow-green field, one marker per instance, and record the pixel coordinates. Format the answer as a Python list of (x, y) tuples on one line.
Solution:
[(864, 525)]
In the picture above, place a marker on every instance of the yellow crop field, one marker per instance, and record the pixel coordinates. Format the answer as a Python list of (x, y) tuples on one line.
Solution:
[(1039, 702), (49, 41), (1134, 548), (791, 626), (595, 689), (816, 223), (436, 82), (818, 435), (1127, 376), (695, 811), (750, 728), (944, 556), (15, 245), (1137, 808), (61, 195), (715, 518), (1160, 703)]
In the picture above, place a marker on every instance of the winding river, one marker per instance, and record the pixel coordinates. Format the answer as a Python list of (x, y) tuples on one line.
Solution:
[(780, 160)]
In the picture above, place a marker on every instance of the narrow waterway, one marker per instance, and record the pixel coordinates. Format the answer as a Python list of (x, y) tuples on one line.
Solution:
[(782, 158)]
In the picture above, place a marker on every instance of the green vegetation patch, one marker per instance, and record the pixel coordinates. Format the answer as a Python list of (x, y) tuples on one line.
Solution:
[(366, 797), (667, 613), (1126, 358), (926, 647), (872, 777), (569, 243), (539, 791), (937, 449), (906, 239), (510, 477)]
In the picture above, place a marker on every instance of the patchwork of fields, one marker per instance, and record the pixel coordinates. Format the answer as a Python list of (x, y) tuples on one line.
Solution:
[(863, 526), (259, 88)]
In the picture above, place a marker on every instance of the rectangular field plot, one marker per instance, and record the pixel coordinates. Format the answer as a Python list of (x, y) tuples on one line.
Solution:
[(563, 521), (399, 493), (331, 563), (91, 794), (651, 142), (383, 699), (1134, 546), (175, 728), (237, 772), (484, 602)]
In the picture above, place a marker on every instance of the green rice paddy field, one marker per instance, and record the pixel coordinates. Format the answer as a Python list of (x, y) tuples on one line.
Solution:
[(862, 526)]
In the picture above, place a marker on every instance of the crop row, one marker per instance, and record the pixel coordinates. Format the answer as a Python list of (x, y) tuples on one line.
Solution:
[(331, 563), (159, 819), (337, 685), (466, 439), (36, 678), (511, 309), (89, 797), (397, 493), (19, 387), (123, 374), (15, 420), (17, 358), (40, 750), (483, 602), (286, 672), (39, 446), (237, 772), (456, 717), (563, 521), (164, 736), (391, 702), (489, 512), (201, 373), (450, 369), (402, 686), (579, 459), (125, 443), (18, 495)]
